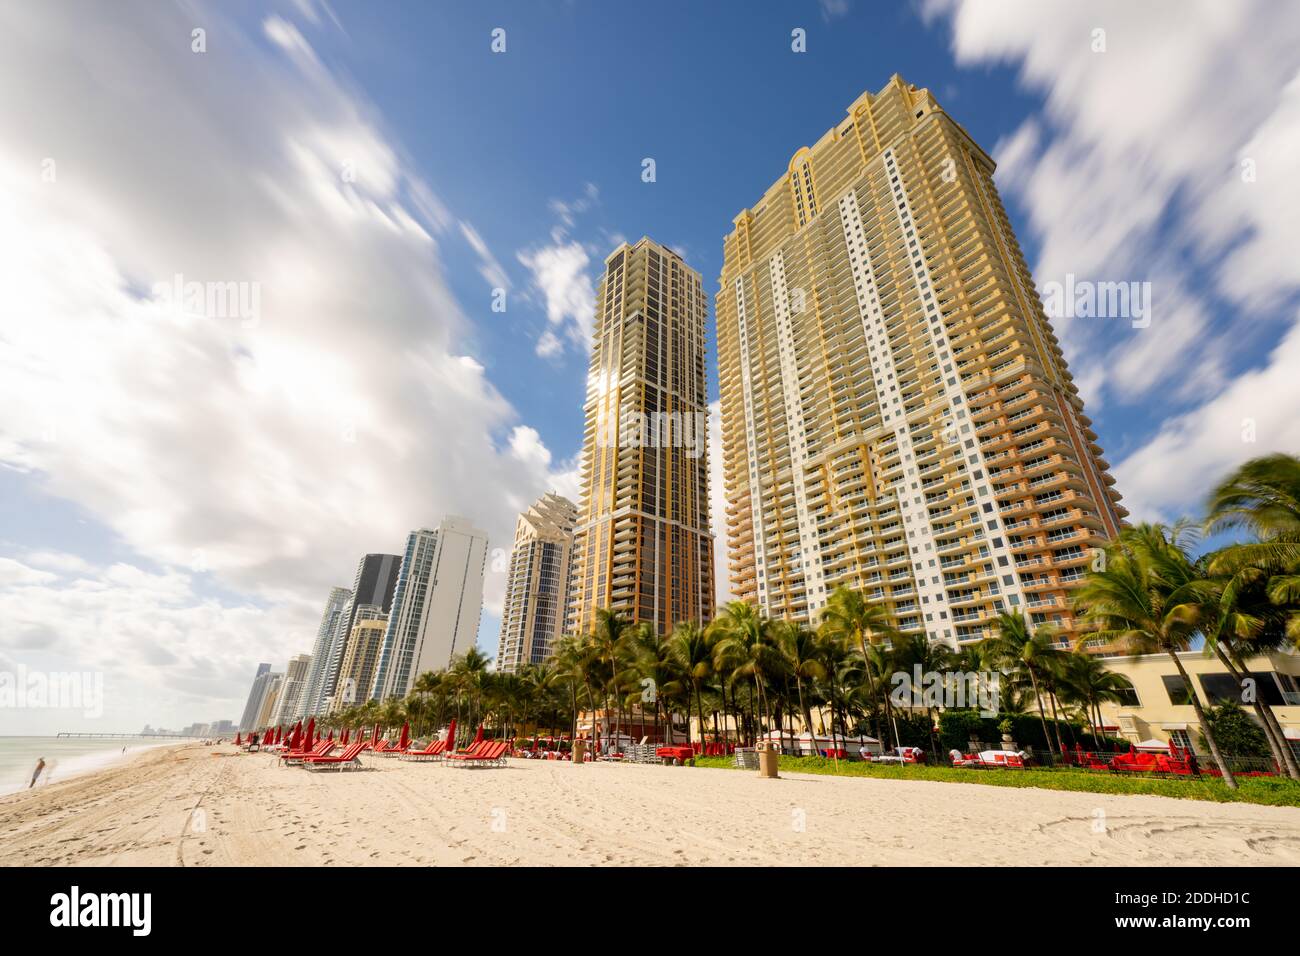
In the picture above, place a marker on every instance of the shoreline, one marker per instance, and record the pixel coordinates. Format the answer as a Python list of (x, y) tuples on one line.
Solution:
[(191, 805), (80, 765)]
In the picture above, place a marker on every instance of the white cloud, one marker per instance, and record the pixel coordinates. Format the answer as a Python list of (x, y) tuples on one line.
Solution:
[(560, 274), (833, 9), (271, 447), (166, 654), (489, 268), (1133, 171), (1255, 415)]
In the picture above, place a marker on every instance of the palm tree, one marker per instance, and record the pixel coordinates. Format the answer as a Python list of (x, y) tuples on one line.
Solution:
[(804, 660), (1263, 495), (742, 649), (836, 658), (1024, 655), (609, 637), (1239, 621), (1148, 599), (914, 653), (574, 659), (851, 617), (1089, 683), (692, 649)]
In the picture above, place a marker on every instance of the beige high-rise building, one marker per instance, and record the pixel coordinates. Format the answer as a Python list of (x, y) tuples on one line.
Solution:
[(357, 669), (642, 544), (270, 700), (897, 414), (292, 688), (537, 586)]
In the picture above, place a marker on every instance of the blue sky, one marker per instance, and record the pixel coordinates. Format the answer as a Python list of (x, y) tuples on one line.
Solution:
[(177, 496)]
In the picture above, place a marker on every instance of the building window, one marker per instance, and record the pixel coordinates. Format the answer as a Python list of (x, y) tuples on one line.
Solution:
[(1177, 689)]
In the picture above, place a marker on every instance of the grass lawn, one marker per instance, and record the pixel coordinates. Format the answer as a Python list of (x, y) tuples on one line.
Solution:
[(1269, 791)]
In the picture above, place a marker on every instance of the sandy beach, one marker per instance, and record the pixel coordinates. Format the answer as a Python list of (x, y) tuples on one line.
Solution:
[(210, 806)]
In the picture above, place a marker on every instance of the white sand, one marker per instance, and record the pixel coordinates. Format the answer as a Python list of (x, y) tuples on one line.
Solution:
[(201, 806)]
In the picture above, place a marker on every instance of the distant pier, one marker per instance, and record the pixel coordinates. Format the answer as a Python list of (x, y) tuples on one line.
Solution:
[(160, 736)]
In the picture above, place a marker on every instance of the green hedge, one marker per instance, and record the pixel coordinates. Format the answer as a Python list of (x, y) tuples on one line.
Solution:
[(955, 727), (1268, 791)]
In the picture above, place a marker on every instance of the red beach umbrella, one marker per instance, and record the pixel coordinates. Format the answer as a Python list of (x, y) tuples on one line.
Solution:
[(331, 737), (374, 738), (345, 736), (296, 740), (238, 742), (405, 738), (311, 729), (451, 734), (478, 736)]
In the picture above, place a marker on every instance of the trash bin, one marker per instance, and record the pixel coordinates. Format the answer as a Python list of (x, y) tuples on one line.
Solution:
[(767, 754), (579, 748)]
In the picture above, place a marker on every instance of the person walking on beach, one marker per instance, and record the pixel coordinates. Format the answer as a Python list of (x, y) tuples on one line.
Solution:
[(40, 765)]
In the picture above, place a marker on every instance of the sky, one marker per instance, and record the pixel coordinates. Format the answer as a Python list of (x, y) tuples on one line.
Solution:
[(180, 486)]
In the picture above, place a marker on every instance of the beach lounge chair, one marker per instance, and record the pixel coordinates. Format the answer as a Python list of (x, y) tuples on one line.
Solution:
[(297, 756), (474, 749), (432, 752), (350, 759), (493, 754)]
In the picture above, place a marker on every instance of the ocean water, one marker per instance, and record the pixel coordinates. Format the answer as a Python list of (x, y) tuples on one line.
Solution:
[(64, 757)]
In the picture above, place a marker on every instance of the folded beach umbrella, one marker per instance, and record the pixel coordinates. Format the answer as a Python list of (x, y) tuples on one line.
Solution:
[(238, 742), (311, 731), (405, 739), (331, 737), (374, 738), (478, 736), (296, 739), (345, 736), (451, 734)]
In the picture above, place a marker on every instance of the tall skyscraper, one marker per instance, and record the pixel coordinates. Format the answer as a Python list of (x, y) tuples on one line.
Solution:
[(897, 414), (270, 701), (357, 671), (328, 636), (436, 605), (256, 696), (373, 586), (295, 682), (642, 545), (532, 618)]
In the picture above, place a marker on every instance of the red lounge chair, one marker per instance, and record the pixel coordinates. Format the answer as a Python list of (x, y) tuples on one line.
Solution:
[(297, 756), (676, 755), (474, 748), (490, 755), (431, 752), (350, 759)]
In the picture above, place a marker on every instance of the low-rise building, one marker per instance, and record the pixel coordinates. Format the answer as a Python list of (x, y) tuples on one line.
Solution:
[(1158, 706)]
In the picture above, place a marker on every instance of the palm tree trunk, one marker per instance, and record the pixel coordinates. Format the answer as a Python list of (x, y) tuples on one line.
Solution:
[(1056, 719), (1272, 729), (1042, 717), (1205, 724)]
